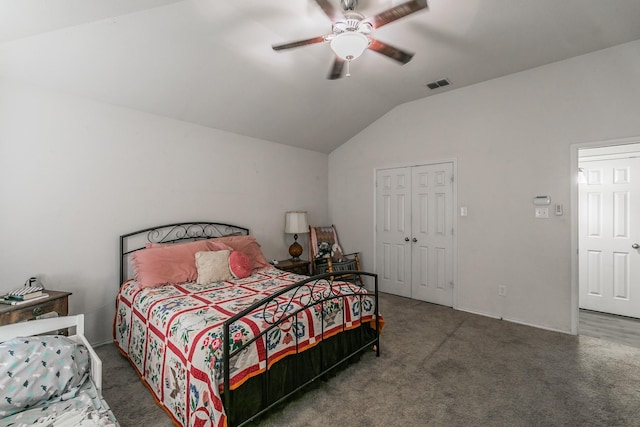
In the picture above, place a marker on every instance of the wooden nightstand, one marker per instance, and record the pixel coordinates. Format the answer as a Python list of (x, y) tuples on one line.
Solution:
[(297, 267), (56, 301)]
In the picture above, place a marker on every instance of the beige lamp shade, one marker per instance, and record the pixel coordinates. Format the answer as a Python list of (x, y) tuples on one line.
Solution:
[(296, 222)]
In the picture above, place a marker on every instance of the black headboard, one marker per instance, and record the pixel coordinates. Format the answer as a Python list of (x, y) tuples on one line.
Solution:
[(171, 233)]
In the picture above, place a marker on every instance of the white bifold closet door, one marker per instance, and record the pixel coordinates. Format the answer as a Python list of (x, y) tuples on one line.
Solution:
[(414, 232)]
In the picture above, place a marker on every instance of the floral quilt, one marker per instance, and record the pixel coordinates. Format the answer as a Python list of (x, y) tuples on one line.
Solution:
[(173, 335)]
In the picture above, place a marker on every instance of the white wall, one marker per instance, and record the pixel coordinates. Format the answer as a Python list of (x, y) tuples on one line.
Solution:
[(75, 174), (511, 138)]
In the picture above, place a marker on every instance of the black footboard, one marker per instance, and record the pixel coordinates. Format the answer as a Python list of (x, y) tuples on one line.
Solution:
[(290, 375)]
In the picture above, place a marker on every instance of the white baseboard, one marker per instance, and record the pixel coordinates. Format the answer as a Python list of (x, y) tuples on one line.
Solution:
[(519, 322)]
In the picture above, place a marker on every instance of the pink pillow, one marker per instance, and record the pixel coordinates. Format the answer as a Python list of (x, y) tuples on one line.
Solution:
[(239, 265), (249, 246), (162, 264)]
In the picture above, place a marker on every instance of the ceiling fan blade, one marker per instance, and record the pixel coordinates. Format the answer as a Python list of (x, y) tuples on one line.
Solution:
[(397, 12), (390, 51), (330, 11), (336, 69), (319, 39)]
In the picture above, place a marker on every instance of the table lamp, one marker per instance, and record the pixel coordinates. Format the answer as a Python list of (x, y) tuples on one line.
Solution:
[(295, 222)]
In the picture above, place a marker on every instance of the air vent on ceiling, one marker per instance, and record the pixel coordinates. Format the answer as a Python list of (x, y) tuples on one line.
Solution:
[(438, 84)]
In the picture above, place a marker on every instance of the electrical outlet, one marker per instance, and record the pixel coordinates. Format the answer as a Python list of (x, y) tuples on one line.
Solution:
[(502, 291), (542, 212)]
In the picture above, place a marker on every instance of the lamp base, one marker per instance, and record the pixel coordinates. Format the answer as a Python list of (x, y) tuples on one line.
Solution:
[(295, 250)]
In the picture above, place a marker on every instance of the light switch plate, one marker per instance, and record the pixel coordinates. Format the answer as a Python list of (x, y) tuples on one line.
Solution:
[(542, 212)]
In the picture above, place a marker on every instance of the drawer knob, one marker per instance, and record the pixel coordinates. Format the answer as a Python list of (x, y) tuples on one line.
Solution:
[(38, 311)]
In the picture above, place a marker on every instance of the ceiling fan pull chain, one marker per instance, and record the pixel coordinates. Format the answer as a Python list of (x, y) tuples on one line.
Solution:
[(349, 58)]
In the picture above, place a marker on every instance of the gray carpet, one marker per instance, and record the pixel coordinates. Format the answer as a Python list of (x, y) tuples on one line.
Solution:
[(441, 367)]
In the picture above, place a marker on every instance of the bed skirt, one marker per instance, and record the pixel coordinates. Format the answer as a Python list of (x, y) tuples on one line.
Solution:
[(254, 394)]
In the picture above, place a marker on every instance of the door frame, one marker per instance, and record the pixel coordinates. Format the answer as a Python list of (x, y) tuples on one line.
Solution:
[(454, 221), (575, 291)]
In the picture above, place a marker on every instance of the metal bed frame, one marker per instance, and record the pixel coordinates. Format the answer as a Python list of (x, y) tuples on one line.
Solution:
[(307, 294), (171, 233)]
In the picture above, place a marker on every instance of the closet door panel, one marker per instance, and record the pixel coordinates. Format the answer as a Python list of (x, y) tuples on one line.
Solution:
[(393, 230), (432, 233)]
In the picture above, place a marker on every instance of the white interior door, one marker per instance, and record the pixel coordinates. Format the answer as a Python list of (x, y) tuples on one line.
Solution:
[(393, 230), (432, 233), (609, 234), (414, 232)]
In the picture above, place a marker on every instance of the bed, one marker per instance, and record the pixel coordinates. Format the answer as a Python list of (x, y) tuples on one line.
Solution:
[(50, 379), (224, 352)]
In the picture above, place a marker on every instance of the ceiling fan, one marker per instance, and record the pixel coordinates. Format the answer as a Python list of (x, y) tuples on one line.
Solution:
[(351, 33)]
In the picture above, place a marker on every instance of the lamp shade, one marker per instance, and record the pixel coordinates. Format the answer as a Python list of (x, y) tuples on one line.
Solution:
[(296, 222), (349, 45)]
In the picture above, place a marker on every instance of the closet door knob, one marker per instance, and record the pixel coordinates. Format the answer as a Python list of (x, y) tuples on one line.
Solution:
[(635, 246), (414, 240), (406, 239)]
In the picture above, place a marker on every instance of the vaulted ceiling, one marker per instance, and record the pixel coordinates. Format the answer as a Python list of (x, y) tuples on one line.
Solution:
[(210, 62)]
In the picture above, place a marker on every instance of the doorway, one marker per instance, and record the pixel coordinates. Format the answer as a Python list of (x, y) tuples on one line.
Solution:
[(607, 223)]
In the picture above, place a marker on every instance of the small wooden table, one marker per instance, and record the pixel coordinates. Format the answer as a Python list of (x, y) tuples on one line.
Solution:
[(57, 301), (296, 267)]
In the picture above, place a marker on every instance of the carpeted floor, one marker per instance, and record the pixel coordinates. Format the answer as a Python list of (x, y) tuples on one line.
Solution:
[(441, 367)]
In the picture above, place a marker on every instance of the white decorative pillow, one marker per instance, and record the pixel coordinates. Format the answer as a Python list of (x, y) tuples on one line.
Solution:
[(213, 266)]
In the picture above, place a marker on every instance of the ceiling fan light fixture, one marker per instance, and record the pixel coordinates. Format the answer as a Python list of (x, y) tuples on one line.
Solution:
[(349, 45)]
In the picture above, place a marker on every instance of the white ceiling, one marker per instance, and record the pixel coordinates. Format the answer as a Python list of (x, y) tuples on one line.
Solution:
[(210, 62)]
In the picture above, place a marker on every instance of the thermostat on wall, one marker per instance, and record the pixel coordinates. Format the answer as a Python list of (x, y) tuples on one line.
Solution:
[(542, 200)]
